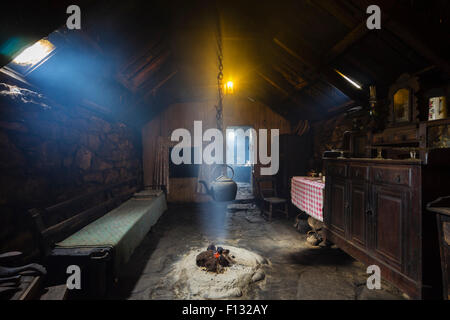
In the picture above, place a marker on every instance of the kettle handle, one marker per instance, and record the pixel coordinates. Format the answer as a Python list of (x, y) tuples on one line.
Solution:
[(232, 170)]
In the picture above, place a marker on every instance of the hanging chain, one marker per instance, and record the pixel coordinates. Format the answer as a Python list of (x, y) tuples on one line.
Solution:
[(219, 106)]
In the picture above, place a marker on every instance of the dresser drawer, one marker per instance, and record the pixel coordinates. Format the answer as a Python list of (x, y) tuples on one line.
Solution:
[(390, 175), (337, 170), (359, 172)]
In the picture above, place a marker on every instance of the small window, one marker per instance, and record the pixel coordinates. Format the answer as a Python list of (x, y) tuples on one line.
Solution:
[(33, 56)]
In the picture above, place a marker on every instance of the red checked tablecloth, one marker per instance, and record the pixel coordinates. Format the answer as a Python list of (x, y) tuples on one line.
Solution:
[(307, 195)]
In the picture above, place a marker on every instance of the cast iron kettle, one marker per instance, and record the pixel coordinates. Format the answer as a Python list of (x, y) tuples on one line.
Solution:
[(222, 188)]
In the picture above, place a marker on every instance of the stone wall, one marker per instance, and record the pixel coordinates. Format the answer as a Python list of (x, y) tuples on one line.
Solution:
[(50, 153), (329, 134)]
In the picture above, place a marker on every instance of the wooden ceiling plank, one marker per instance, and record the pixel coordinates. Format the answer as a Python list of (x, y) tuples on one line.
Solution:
[(162, 82), (149, 47), (353, 36), (138, 65), (315, 98), (319, 87), (391, 21), (272, 83), (366, 68), (156, 63), (333, 8), (294, 80), (415, 43), (327, 73), (289, 97), (301, 58)]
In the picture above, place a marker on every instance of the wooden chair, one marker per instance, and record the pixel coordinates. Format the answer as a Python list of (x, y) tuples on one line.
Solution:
[(268, 197)]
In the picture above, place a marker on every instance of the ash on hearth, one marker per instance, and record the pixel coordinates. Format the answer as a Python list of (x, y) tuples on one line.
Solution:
[(214, 259), (194, 282)]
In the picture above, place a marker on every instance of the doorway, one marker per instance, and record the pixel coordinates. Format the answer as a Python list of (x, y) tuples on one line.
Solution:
[(239, 147)]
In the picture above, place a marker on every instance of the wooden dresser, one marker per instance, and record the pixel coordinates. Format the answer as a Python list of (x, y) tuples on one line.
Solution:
[(373, 210)]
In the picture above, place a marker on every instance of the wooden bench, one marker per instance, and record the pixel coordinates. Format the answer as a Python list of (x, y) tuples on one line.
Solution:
[(65, 231)]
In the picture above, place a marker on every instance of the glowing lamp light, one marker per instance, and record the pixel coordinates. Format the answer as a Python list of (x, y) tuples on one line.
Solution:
[(229, 87), (34, 53), (348, 79)]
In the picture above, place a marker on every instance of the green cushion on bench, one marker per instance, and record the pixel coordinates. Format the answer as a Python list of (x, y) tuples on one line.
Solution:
[(123, 228)]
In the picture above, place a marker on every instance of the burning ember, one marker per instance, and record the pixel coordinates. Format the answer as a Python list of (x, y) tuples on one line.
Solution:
[(218, 273), (214, 259)]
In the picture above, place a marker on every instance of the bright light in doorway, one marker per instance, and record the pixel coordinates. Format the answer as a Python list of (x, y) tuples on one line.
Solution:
[(34, 53), (348, 79)]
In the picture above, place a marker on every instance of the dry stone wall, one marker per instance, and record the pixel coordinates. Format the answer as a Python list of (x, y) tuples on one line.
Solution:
[(50, 153)]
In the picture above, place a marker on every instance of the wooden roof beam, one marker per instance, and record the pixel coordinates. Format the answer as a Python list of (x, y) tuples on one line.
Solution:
[(294, 80), (353, 36), (391, 21), (328, 74), (293, 95), (419, 46), (332, 7), (162, 82), (288, 96), (273, 84), (357, 32)]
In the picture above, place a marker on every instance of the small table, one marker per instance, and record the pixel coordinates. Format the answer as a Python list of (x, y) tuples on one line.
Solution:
[(307, 195)]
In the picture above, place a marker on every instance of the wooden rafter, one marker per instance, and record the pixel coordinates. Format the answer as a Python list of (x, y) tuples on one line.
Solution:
[(295, 80), (353, 36), (392, 24), (273, 84), (139, 79), (305, 60), (302, 103), (162, 82), (327, 73), (418, 45), (333, 8)]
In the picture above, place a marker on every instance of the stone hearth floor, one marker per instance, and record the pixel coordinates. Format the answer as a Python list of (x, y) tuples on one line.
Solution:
[(297, 270)]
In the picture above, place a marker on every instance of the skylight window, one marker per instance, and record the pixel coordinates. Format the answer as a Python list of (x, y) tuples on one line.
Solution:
[(35, 53), (348, 79)]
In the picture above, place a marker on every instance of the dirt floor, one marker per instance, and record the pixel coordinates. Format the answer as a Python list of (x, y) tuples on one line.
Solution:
[(295, 270)]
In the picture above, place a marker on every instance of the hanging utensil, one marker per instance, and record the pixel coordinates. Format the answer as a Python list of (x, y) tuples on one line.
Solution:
[(222, 188)]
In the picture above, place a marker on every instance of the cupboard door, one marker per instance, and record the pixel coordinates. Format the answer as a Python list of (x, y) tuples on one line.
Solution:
[(357, 213), (338, 206), (388, 216)]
